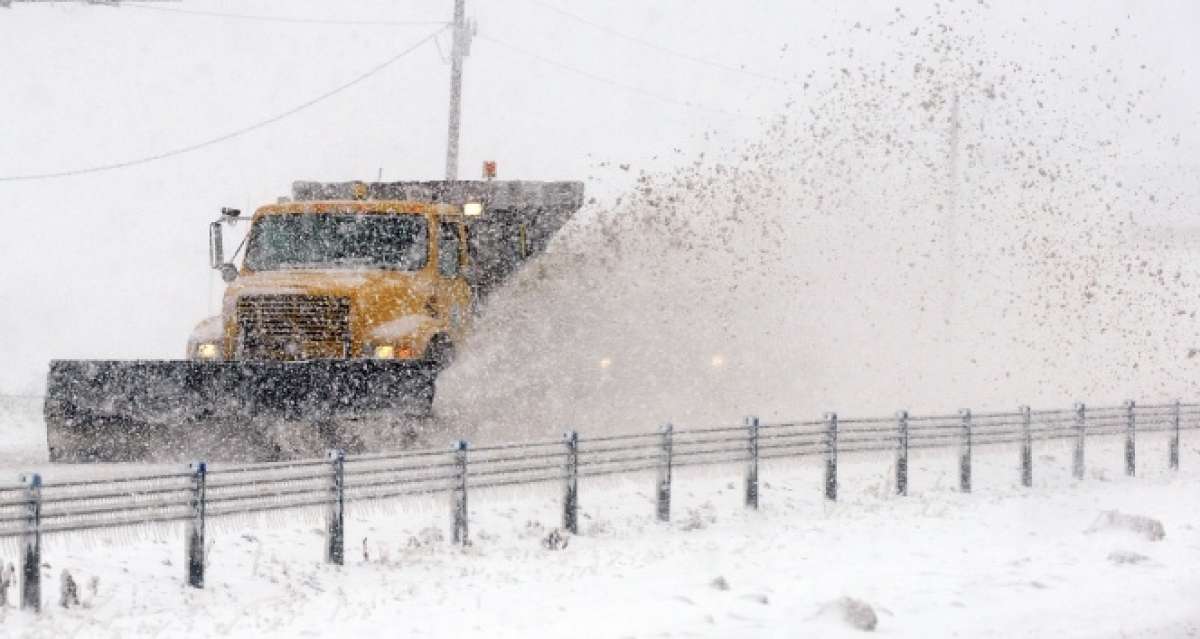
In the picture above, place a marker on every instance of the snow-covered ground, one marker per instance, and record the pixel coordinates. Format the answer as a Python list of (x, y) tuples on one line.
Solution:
[(918, 206), (1003, 561), (22, 431)]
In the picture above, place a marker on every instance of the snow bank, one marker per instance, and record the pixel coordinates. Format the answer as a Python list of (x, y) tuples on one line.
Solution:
[(1142, 526), (855, 613), (1126, 557)]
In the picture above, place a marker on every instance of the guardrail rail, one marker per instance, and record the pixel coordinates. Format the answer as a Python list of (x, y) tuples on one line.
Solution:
[(32, 508)]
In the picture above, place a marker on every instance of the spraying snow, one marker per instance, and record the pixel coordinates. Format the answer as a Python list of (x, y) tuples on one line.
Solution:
[(934, 227)]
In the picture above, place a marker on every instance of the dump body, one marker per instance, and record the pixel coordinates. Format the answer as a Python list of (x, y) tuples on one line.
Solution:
[(350, 300)]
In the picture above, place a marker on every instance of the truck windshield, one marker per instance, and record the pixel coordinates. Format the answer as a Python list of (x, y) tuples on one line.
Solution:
[(333, 241)]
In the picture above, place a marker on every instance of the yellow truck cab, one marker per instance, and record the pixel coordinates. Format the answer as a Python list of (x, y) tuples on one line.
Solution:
[(381, 279)]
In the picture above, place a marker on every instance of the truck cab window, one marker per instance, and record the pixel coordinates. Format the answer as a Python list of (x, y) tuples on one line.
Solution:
[(448, 247), (338, 241)]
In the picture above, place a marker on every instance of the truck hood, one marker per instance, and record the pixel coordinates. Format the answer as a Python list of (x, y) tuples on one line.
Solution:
[(375, 296)]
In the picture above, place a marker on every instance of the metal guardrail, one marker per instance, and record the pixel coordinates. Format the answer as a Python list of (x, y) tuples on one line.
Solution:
[(32, 508)]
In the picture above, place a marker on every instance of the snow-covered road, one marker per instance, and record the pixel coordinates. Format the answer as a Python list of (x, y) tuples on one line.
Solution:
[(1001, 562)]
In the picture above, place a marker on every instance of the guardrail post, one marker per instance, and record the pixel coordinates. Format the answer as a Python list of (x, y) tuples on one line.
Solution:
[(1080, 438), (1173, 451), (31, 544), (335, 521), (458, 528), (964, 452), (1026, 447), (571, 488), (831, 481), (1130, 439), (902, 453), (752, 463), (663, 501), (195, 527)]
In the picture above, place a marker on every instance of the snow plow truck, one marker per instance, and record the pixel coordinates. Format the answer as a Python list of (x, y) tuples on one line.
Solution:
[(349, 300)]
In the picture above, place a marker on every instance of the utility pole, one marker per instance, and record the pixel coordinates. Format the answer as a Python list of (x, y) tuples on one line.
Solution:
[(458, 50)]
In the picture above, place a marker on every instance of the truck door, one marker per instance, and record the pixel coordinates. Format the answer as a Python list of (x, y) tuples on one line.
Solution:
[(454, 294)]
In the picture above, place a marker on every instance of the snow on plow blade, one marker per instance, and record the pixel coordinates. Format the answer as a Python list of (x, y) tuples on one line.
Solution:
[(104, 410)]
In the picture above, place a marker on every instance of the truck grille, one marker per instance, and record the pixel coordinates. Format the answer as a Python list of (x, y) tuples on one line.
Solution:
[(294, 327)]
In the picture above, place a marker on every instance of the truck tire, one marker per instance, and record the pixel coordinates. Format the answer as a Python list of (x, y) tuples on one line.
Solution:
[(437, 358), (440, 353)]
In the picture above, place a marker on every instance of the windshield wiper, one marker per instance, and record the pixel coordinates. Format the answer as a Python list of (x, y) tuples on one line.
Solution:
[(341, 261), (302, 265)]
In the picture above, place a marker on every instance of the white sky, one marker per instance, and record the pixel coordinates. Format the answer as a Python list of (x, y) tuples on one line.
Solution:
[(113, 264)]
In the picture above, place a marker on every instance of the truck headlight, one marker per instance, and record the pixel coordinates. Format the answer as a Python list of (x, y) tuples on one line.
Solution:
[(207, 351), (392, 351), (385, 352)]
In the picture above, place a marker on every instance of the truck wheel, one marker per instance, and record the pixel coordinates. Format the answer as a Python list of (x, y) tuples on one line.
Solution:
[(441, 353), (437, 358)]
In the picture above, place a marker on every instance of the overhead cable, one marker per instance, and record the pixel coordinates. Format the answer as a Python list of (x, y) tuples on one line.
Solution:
[(286, 19), (232, 134), (658, 47), (609, 81)]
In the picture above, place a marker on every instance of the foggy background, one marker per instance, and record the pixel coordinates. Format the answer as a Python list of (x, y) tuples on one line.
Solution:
[(787, 220)]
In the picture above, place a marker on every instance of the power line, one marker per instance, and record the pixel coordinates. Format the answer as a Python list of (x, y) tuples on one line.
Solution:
[(658, 47), (620, 85), (286, 19), (233, 134)]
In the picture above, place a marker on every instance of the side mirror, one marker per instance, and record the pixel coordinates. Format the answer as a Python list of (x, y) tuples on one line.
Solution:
[(216, 247), (229, 272)]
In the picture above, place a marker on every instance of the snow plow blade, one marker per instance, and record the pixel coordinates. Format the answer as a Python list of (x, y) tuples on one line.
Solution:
[(179, 410)]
